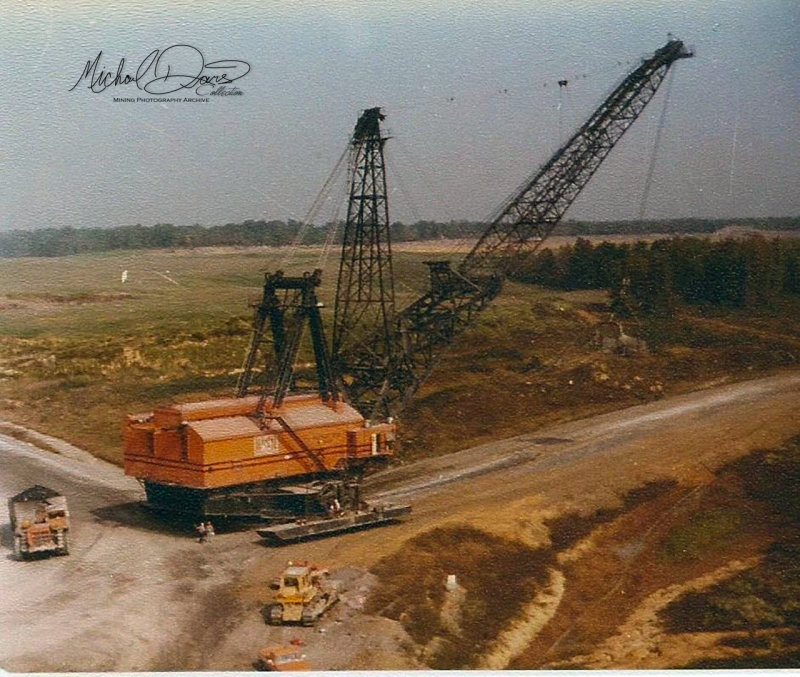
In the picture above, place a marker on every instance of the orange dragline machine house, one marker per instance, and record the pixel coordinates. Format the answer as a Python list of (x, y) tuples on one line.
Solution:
[(273, 456)]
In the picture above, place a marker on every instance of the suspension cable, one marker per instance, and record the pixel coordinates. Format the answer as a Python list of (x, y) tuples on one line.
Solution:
[(330, 236), (656, 144), (398, 183), (733, 158), (314, 210), (463, 240)]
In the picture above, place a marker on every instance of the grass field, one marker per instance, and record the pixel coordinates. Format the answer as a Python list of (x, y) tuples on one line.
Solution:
[(79, 348)]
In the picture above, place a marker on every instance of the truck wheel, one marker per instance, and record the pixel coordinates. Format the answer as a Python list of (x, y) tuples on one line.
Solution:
[(64, 549), (18, 547)]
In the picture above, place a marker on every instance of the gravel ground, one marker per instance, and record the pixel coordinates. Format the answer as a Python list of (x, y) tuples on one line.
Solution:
[(137, 595)]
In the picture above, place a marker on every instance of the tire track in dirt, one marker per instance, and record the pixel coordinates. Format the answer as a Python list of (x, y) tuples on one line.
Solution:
[(524, 629), (635, 645)]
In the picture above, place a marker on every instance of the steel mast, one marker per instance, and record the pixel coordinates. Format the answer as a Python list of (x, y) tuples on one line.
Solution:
[(423, 329), (364, 313)]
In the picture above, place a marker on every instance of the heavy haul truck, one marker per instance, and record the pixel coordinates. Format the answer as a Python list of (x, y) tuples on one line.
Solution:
[(283, 457), (39, 522)]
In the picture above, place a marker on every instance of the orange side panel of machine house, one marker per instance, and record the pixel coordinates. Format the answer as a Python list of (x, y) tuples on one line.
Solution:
[(220, 443)]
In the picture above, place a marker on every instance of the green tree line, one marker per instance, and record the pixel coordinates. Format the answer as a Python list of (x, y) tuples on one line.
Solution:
[(66, 241), (653, 277)]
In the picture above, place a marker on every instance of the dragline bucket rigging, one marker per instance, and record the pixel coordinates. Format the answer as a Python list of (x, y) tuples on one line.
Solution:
[(383, 369)]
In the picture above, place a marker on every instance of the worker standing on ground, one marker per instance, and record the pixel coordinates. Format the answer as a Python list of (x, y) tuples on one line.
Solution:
[(209, 530), (202, 533)]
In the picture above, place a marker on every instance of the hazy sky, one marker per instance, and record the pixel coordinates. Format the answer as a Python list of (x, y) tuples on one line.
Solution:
[(469, 89)]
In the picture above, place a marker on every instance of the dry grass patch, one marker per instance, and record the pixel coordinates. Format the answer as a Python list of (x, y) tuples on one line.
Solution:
[(78, 350), (765, 597), (496, 578), (569, 528)]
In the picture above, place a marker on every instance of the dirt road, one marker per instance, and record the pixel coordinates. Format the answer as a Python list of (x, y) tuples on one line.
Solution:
[(135, 596)]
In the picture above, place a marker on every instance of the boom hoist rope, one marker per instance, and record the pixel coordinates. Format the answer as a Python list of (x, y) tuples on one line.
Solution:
[(430, 324), (267, 305), (648, 182), (313, 212), (330, 237)]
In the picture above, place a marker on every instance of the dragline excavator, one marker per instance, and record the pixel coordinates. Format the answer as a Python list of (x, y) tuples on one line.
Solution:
[(294, 459)]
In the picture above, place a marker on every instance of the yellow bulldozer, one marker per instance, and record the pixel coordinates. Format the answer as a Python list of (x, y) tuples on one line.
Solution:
[(303, 594)]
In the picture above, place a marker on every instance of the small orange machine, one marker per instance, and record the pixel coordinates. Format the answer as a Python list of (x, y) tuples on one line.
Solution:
[(283, 659)]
